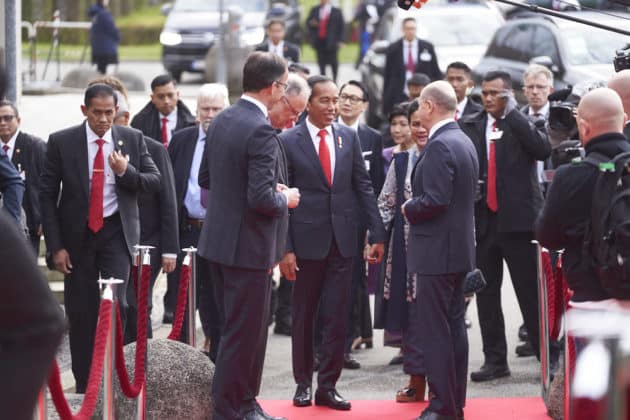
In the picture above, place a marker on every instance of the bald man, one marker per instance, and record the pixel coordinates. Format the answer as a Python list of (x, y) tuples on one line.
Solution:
[(620, 83), (567, 209)]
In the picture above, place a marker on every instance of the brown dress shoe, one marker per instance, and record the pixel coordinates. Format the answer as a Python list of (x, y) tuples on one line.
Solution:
[(414, 391)]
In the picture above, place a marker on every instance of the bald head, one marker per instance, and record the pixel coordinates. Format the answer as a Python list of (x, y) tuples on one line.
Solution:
[(600, 111), (437, 103), (620, 83)]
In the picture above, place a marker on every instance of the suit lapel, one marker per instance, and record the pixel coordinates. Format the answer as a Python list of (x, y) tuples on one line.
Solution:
[(306, 144), (79, 142), (189, 154), (17, 151), (340, 152)]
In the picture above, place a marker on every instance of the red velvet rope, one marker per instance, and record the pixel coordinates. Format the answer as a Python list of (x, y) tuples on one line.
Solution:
[(553, 315), (96, 371), (132, 391), (180, 311)]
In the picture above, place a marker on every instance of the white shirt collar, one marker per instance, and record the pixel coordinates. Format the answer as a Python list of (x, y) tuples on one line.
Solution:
[(276, 48), (92, 136), (170, 117), (439, 125), (461, 106), (11, 142), (544, 111), (256, 102), (324, 10), (354, 126), (313, 131)]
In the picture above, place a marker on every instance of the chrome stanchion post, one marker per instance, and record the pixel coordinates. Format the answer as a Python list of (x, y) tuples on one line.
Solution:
[(191, 253), (543, 323), (41, 409), (145, 250), (109, 397)]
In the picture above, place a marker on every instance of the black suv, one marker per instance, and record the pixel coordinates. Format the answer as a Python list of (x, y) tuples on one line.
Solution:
[(574, 52)]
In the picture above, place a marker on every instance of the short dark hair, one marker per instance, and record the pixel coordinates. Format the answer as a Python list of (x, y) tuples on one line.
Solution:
[(499, 74), (98, 90), (413, 107), (459, 65), (298, 68), (398, 110), (161, 80), (5, 102), (261, 70), (418, 79), (275, 21), (366, 95), (315, 80), (407, 19)]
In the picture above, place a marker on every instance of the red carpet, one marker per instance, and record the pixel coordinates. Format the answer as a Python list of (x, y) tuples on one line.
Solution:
[(476, 409)]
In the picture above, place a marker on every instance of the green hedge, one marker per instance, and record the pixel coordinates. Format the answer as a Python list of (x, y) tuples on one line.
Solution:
[(136, 34)]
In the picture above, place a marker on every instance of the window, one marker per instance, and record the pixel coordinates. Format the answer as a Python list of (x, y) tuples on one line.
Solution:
[(545, 44), (513, 43)]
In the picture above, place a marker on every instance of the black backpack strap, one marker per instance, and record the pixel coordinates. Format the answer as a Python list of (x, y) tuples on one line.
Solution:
[(595, 158)]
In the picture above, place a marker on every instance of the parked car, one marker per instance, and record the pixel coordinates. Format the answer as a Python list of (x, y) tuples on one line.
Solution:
[(574, 52), (193, 27), (459, 31)]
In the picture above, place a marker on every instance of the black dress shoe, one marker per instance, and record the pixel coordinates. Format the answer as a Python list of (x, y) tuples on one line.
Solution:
[(432, 415), (302, 397), (397, 360), (167, 318), (263, 415), (282, 329), (332, 399), (525, 350), (489, 372), (350, 362), (522, 333)]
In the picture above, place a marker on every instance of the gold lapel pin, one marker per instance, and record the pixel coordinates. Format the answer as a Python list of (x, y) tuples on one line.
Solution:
[(120, 143)]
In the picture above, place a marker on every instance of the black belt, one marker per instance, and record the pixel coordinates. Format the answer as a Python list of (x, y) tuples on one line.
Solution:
[(113, 217), (198, 223)]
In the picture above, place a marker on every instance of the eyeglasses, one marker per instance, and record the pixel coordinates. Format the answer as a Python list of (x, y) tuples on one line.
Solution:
[(285, 86), (6, 118), (294, 111), (536, 87), (352, 98)]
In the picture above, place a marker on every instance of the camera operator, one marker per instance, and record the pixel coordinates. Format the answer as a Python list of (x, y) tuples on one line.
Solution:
[(620, 83), (567, 210)]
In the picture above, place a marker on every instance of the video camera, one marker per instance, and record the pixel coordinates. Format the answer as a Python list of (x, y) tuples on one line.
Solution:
[(622, 59)]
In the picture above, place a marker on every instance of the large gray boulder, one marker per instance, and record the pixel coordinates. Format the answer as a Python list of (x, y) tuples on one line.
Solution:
[(179, 383)]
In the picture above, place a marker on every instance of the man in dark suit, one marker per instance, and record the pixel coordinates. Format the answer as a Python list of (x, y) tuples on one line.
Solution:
[(26, 152), (165, 113), (353, 101), (508, 146), (620, 83), (441, 249), (405, 57), (244, 232), (325, 162), (459, 76), (91, 224), (11, 187), (186, 153), (326, 29), (276, 43)]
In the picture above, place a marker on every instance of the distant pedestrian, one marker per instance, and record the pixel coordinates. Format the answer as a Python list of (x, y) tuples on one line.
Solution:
[(325, 26), (104, 36)]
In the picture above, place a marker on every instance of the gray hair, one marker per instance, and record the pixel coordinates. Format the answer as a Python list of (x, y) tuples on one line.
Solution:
[(296, 86), (441, 93), (214, 90), (535, 70)]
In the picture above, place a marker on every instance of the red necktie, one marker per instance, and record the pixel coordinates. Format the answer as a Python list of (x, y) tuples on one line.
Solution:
[(324, 155), (411, 66), (95, 214), (165, 132), (323, 23), (491, 198), (5, 148)]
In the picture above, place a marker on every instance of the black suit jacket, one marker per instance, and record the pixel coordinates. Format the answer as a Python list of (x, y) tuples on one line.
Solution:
[(518, 191), (181, 151), (290, 51), (65, 210), (395, 67), (148, 120), (334, 31), (246, 218), (328, 213), (441, 212), (28, 157), (472, 107), (372, 148), (158, 210), (11, 187)]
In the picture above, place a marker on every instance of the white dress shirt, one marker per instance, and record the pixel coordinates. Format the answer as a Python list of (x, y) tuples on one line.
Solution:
[(489, 124), (256, 102), (461, 106), (439, 125), (192, 201), (277, 49), (544, 111), (110, 199), (11, 144), (313, 131), (324, 11), (171, 124), (414, 53)]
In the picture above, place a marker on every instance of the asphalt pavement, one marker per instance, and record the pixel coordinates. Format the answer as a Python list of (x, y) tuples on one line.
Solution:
[(43, 114)]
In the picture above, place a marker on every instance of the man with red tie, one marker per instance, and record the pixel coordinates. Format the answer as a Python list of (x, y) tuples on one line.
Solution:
[(325, 163), (165, 113), (326, 29), (508, 146), (91, 224)]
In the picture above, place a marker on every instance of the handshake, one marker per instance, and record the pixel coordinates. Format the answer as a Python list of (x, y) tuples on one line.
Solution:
[(292, 195)]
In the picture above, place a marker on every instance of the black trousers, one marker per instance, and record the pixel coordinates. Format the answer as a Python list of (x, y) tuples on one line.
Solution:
[(284, 298), (35, 240), (360, 315), (323, 284), (328, 57), (131, 329), (104, 253), (437, 317), (243, 296), (520, 255)]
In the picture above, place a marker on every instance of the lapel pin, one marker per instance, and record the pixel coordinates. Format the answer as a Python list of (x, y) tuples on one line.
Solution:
[(120, 143), (340, 142), (17, 151)]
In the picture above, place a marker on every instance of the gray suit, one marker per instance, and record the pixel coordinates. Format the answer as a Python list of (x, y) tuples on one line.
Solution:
[(440, 251)]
